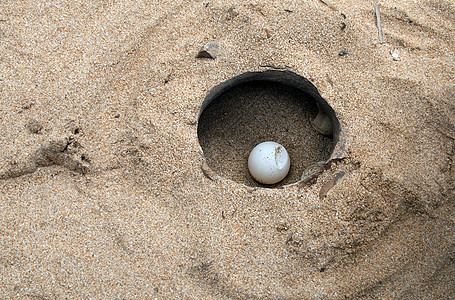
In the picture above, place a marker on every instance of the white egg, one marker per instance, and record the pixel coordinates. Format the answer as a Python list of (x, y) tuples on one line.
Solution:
[(269, 163)]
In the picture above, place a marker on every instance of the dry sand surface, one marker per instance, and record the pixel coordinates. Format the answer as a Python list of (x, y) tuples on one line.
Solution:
[(102, 194)]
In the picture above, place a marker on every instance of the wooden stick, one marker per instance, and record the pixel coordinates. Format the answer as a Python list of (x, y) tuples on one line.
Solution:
[(378, 21), (329, 4)]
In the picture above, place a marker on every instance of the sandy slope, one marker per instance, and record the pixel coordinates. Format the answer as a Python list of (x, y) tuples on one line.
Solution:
[(101, 190)]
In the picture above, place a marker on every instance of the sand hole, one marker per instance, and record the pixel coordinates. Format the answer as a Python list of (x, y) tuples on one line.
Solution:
[(264, 106)]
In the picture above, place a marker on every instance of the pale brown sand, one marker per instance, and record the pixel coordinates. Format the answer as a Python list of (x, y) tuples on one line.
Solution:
[(102, 192)]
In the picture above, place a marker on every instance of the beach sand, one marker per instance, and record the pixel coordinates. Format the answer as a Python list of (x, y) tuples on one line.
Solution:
[(102, 193)]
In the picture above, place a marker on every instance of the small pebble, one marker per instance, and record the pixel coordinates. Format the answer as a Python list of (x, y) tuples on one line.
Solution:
[(395, 56), (27, 105), (210, 50), (342, 53), (117, 116)]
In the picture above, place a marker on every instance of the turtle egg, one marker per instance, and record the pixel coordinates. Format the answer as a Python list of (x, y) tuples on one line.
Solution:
[(269, 163)]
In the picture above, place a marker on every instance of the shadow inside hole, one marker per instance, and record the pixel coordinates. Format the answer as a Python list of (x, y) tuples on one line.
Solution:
[(255, 111)]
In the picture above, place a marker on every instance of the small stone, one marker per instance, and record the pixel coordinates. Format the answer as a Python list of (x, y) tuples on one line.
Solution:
[(27, 105), (282, 226), (395, 56), (322, 123), (342, 53), (117, 116), (210, 50)]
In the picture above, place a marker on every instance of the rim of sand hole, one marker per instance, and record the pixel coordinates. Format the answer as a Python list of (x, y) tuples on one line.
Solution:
[(289, 79)]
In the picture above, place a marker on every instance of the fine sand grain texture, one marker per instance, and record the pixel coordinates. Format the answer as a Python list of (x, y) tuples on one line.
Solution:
[(102, 194)]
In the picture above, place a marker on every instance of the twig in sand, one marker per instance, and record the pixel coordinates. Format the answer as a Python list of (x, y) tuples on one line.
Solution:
[(329, 4), (378, 21)]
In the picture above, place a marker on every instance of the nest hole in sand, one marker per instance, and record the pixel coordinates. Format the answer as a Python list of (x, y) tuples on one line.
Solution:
[(255, 107)]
